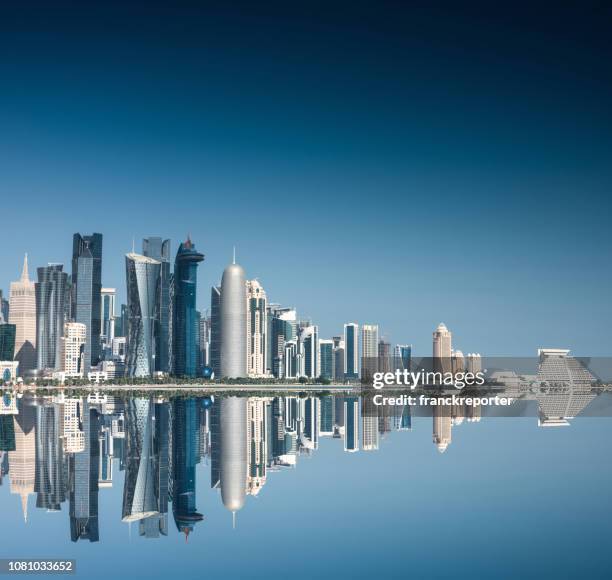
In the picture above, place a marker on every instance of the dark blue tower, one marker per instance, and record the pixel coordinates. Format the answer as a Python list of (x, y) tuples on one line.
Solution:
[(185, 318)]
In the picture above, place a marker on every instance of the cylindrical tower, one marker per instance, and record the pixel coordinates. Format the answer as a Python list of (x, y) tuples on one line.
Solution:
[(233, 322)]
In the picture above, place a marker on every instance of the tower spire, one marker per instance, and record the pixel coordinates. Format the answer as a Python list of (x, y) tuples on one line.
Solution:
[(234, 258), (25, 277), (234, 520), (24, 506)]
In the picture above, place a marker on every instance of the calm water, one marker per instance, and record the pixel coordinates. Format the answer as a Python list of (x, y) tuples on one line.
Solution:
[(254, 487)]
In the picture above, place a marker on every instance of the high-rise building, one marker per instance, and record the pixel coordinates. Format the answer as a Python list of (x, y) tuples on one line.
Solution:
[(257, 449), (309, 341), (185, 323), (338, 358), (204, 331), (160, 250), (233, 322), (442, 349), (142, 276), (7, 342), (351, 351), (109, 296), (22, 313), (87, 291), (73, 349), (257, 327), (282, 324), (326, 359), (50, 311), (215, 330), (369, 350), (384, 356)]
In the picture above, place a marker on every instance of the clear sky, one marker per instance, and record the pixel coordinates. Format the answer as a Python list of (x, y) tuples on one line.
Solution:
[(374, 161)]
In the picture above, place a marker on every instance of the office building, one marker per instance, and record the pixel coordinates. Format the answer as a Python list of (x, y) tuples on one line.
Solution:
[(50, 293), (351, 351), (215, 330), (185, 325), (326, 359), (160, 250), (142, 276), (369, 350), (257, 328), (7, 341), (108, 298), (86, 294), (73, 349), (442, 349)]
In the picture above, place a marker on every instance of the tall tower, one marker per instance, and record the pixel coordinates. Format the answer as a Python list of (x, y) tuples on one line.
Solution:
[(369, 350), (351, 350), (233, 322), (257, 326), (158, 249), (142, 276), (185, 320), (442, 349), (233, 457), (215, 330), (86, 295), (50, 310), (22, 313), (109, 296)]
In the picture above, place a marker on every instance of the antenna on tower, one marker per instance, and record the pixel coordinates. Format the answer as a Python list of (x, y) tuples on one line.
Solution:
[(133, 245), (234, 260)]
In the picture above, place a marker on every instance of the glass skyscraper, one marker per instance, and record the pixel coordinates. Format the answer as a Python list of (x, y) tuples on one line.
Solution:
[(159, 249), (50, 310), (142, 276), (185, 320), (87, 291)]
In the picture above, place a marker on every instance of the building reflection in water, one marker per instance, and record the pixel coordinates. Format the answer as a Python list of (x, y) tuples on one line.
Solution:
[(64, 448)]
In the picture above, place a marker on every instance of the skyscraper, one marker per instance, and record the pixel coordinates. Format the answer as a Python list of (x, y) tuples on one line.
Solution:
[(403, 356), (23, 459), (142, 276), (109, 296), (158, 249), (233, 456), (282, 324), (326, 359), (309, 341), (442, 349), (369, 350), (215, 330), (50, 311), (351, 351), (185, 321), (233, 322), (22, 313), (87, 291), (4, 308), (257, 327)]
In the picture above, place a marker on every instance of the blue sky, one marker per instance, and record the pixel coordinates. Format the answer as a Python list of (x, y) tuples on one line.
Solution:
[(379, 163)]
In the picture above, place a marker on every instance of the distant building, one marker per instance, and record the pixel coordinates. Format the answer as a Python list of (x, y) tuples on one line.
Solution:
[(109, 296), (326, 359), (309, 339), (403, 356), (369, 350), (351, 351)]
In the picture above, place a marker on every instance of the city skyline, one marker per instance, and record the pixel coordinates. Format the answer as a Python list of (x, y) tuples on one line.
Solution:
[(456, 196)]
